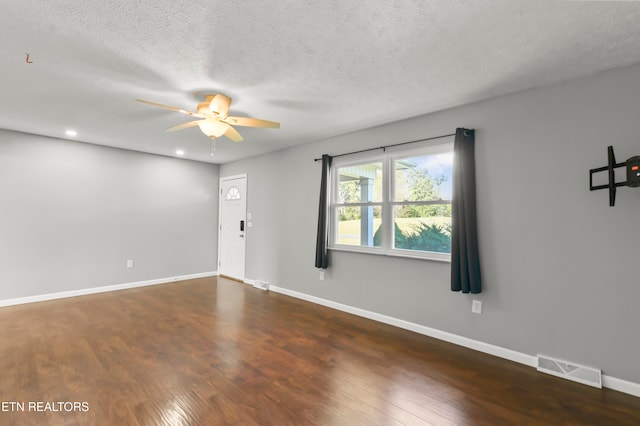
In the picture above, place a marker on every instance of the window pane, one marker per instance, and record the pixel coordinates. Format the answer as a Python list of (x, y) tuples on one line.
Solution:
[(359, 226), (423, 228), (423, 178), (233, 194), (360, 183)]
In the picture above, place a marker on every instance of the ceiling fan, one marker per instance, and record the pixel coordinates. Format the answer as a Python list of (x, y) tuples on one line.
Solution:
[(214, 120)]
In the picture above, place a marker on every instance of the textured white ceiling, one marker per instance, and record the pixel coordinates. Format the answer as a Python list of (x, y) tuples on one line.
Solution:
[(321, 68)]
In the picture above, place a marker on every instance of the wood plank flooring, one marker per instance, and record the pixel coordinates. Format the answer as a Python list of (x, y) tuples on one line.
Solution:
[(214, 351)]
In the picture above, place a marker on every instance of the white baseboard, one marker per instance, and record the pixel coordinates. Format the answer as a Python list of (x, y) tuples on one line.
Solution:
[(94, 290), (621, 385), (511, 355)]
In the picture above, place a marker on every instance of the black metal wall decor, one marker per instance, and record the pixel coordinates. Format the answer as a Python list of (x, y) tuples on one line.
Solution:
[(633, 175)]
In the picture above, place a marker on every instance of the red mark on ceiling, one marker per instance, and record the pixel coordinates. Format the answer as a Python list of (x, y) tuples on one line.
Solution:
[(27, 59)]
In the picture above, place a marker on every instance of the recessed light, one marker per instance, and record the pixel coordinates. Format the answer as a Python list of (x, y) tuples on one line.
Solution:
[(179, 152), (71, 132)]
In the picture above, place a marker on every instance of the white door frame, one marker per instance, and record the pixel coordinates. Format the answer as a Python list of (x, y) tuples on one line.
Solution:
[(220, 202)]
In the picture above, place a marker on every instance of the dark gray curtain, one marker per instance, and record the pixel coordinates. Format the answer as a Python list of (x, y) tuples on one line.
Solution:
[(322, 240), (465, 259)]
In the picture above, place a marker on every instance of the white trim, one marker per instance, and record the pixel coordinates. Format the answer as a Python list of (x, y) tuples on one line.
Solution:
[(613, 383), (104, 289), (406, 254), (621, 385), (240, 176)]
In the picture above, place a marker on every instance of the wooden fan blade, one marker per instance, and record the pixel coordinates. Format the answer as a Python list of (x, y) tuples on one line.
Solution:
[(220, 104), (233, 134), (171, 108), (183, 126), (252, 122)]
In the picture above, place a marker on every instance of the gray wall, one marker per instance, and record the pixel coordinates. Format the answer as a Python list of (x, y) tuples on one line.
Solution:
[(72, 214), (559, 264)]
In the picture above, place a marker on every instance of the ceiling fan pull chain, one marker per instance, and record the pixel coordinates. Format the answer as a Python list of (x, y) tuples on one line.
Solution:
[(213, 145)]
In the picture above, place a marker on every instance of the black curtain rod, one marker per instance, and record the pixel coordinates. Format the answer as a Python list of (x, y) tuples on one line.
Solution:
[(389, 146)]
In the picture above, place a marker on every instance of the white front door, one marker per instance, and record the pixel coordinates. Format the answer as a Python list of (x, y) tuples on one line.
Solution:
[(233, 212)]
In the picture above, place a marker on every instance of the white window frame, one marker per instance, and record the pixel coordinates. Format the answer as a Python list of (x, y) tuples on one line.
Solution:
[(387, 205)]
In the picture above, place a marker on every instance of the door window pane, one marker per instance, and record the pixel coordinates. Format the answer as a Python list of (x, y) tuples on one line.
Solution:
[(233, 194)]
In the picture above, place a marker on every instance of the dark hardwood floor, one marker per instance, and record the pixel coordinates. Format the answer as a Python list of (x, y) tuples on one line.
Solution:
[(214, 351)]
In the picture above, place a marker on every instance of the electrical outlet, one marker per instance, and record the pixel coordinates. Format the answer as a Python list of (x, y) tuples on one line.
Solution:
[(476, 306), (129, 264), (321, 275)]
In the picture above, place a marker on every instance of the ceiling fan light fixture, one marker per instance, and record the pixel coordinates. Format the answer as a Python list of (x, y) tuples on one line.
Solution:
[(212, 127)]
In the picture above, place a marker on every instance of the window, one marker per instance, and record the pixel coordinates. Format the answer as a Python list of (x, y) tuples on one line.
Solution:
[(397, 203), (233, 194)]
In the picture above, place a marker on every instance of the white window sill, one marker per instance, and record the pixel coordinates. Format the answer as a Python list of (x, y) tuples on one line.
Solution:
[(407, 254)]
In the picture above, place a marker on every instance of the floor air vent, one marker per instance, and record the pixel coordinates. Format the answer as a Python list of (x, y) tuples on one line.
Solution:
[(577, 373), (262, 285)]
